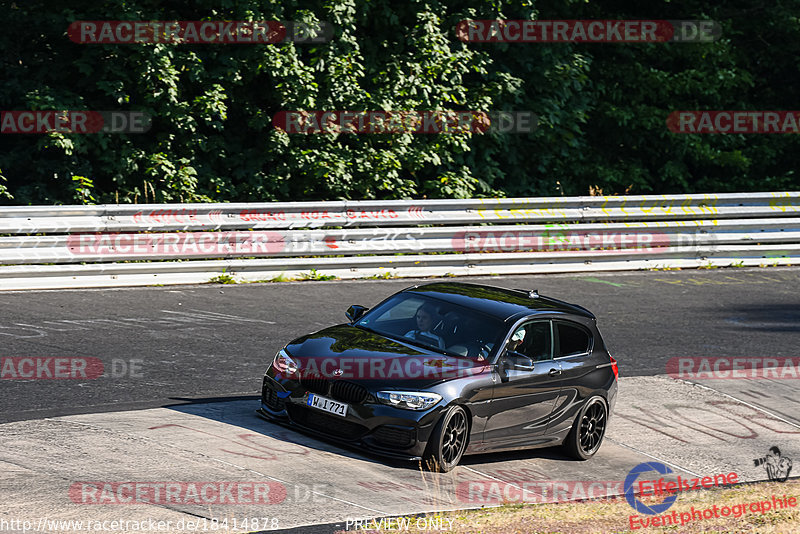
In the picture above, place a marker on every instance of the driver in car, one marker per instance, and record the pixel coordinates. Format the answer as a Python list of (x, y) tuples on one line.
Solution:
[(425, 322), (516, 339)]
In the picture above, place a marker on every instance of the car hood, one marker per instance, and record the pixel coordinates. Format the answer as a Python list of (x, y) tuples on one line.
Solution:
[(349, 353)]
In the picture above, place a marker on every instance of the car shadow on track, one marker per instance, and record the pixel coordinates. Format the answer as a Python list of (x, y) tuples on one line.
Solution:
[(240, 413)]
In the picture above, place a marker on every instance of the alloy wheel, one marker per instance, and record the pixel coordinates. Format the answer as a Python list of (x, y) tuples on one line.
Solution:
[(593, 427), (455, 437)]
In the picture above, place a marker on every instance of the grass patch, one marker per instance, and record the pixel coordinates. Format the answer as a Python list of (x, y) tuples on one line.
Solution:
[(223, 278), (314, 275), (384, 276), (663, 268), (612, 515)]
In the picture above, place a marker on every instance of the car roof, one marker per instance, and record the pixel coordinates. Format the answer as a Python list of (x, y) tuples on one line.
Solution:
[(497, 301)]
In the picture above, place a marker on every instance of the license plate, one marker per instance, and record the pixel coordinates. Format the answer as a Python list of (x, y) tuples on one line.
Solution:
[(327, 405)]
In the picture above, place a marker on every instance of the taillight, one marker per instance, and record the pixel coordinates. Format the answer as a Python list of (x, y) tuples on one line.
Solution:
[(614, 367)]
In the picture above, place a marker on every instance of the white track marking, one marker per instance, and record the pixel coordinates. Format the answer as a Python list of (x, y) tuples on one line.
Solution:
[(665, 462), (760, 409)]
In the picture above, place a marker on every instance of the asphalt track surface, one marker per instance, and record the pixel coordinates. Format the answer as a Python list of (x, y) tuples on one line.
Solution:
[(164, 346), (183, 368)]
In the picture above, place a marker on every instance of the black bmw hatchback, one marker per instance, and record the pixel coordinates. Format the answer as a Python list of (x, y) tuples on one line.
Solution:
[(446, 369)]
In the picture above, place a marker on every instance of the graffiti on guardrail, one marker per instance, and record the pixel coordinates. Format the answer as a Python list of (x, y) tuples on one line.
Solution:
[(179, 216), (321, 215), (695, 225)]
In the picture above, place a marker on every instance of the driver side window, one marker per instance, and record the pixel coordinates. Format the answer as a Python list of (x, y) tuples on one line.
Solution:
[(533, 340)]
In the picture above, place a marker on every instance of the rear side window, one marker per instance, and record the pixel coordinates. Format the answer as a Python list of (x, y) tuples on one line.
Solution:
[(533, 340), (572, 339)]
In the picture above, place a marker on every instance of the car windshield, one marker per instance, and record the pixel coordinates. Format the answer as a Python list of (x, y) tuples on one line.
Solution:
[(435, 324)]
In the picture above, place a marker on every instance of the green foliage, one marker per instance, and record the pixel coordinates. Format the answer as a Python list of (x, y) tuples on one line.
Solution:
[(314, 275), (3, 190), (601, 107), (82, 192), (384, 276), (223, 278)]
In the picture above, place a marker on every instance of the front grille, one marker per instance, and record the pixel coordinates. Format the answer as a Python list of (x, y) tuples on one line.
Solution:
[(330, 424), (348, 392), (395, 436), (315, 384), (270, 397)]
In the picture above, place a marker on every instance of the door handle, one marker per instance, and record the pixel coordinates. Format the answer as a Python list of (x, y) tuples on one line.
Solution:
[(554, 372)]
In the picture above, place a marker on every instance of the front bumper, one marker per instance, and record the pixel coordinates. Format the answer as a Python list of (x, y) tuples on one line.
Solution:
[(369, 426)]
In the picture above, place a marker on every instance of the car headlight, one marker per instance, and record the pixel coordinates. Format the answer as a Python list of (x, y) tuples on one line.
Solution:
[(410, 400), (283, 363)]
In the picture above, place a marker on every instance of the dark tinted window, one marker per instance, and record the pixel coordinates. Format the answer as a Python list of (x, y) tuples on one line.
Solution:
[(573, 339), (533, 341), (451, 327)]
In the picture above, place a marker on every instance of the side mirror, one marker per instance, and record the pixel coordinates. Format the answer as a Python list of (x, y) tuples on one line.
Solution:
[(355, 311), (517, 361)]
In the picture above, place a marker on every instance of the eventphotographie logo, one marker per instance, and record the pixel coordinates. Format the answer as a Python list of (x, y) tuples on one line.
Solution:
[(777, 466), (630, 489)]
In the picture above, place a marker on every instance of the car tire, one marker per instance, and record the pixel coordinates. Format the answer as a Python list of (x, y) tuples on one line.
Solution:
[(588, 430), (448, 441)]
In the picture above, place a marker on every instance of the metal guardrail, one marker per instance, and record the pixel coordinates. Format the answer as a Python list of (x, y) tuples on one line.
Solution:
[(113, 245)]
